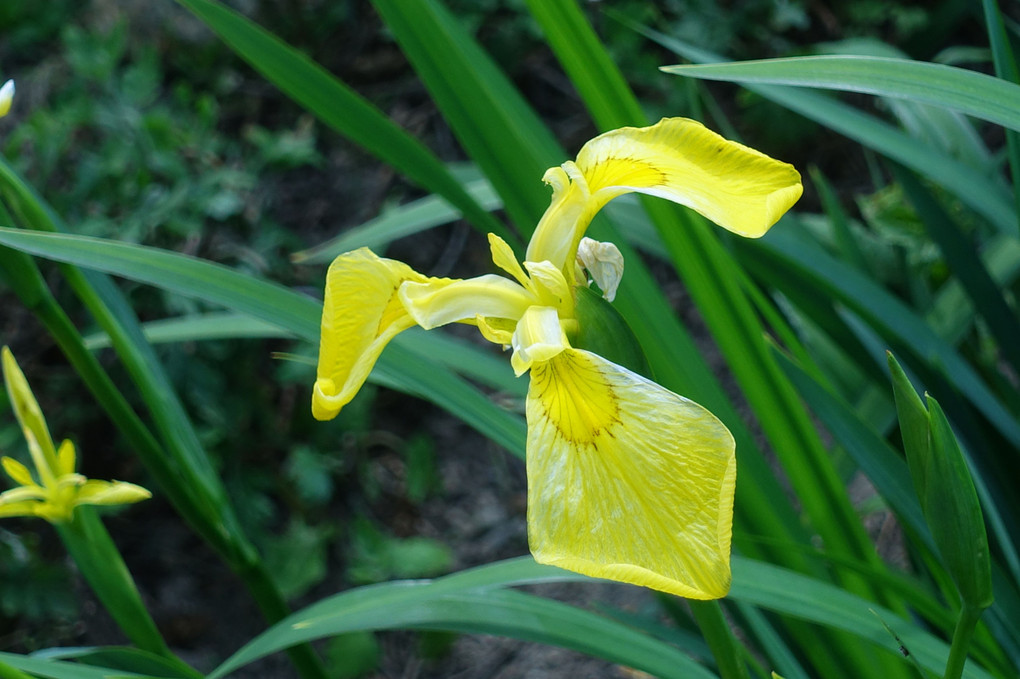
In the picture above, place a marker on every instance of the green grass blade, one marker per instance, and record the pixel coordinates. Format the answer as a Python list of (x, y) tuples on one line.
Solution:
[(340, 107), (783, 591), (971, 186), (975, 94), (57, 669), (272, 303), (464, 82), (474, 601), (199, 328), (1006, 68)]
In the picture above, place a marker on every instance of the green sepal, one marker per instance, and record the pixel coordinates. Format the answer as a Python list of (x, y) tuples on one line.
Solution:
[(603, 331), (945, 488), (913, 426), (954, 515)]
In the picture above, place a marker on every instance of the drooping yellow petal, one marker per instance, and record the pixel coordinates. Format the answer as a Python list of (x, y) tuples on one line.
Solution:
[(735, 186), (19, 508), (361, 312), (436, 303), (627, 480)]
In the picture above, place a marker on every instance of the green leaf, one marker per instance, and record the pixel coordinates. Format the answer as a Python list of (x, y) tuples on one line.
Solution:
[(976, 94), (951, 506), (199, 327), (970, 185), (800, 596), (914, 425), (340, 107), (57, 669), (474, 602), (465, 84)]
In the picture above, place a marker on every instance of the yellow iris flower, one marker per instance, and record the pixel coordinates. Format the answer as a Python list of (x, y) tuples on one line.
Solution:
[(626, 480), (59, 489)]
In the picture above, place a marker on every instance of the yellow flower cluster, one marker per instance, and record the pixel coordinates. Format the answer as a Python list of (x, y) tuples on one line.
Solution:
[(58, 489)]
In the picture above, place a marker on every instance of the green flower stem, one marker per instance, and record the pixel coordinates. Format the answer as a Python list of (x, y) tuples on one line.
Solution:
[(965, 626), (96, 556), (728, 653)]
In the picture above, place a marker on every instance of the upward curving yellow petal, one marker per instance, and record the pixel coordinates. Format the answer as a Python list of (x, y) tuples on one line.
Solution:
[(26, 408), (735, 186), (627, 480), (361, 312)]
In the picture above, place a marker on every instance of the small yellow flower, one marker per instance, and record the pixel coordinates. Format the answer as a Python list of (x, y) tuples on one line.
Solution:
[(626, 480), (6, 97), (58, 489)]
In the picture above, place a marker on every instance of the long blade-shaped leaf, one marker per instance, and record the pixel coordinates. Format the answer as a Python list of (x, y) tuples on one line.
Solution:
[(970, 186), (474, 601), (976, 94)]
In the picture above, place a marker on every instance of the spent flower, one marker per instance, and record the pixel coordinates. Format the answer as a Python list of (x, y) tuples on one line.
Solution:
[(626, 480), (56, 489)]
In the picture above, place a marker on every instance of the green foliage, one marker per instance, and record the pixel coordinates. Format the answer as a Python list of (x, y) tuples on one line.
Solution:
[(907, 239)]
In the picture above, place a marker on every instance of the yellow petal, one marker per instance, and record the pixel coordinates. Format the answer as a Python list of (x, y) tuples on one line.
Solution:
[(360, 314), (565, 220), (17, 471), (6, 96), (503, 256), (26, 408), (22, 494), (496, 330), (538, 337), (735, 186), (19, 509), (65, 457), (551, 286), (437, 303), (110, 493), (627, 480)]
